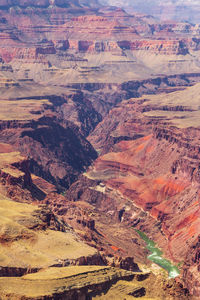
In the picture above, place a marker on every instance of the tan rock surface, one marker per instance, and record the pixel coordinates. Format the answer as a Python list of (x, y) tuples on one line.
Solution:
[(88, 281), (28, 243)]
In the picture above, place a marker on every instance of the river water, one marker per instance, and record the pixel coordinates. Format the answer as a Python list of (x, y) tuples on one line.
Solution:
[(156, 256)]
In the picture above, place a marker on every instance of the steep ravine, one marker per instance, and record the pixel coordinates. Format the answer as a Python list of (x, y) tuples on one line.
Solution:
[(60, 129), (147, 176)]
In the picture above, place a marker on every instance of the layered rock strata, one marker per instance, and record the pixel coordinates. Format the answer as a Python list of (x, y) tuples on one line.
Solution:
[(140, 189), (77, 43)]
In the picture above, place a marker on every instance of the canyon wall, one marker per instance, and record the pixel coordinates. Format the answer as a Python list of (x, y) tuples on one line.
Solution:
[(99, 136)]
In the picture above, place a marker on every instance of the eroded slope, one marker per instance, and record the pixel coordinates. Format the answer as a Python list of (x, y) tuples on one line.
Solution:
[(149, 169)]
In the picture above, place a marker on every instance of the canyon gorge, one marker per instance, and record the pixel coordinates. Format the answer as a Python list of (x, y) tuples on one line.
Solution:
[(99, 140)]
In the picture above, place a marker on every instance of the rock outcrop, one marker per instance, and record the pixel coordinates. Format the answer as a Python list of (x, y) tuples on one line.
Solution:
[(83, 282), (27, 230), (62, 283), (191, 268)]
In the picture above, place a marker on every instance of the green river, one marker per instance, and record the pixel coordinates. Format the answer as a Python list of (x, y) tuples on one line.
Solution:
[(156, 256)]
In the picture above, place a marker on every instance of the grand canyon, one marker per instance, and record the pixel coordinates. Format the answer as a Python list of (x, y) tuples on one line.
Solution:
[(99, 149)]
